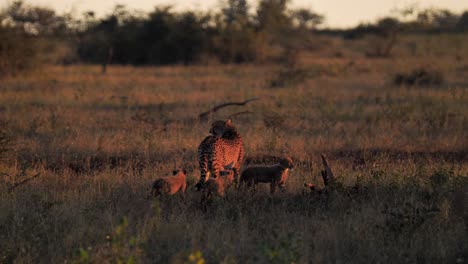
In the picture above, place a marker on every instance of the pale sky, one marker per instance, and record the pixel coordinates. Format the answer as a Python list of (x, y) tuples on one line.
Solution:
[(338, 13)]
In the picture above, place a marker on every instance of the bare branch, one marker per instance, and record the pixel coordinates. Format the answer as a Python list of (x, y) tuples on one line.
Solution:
[(204, 115), (240, 113), (12, 188)]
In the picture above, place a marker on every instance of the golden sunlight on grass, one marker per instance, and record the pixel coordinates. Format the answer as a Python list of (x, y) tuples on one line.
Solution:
[(98, 141)]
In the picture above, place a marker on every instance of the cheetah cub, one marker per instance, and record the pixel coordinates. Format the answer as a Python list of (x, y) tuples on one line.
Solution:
[(170, 185), (218, 186), (276, 175)]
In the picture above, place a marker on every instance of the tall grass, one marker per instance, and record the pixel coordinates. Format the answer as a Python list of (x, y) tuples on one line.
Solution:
[(100, 140)]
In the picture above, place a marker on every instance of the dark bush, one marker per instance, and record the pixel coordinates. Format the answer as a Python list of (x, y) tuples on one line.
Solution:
[(30, 36), (462, 24), (419, 77), (289, 77)]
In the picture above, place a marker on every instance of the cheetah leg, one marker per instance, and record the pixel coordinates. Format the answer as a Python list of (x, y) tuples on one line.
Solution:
[(216, 172), (155, 192), (236, 171), (240, 184), (237, 168), (204, 201), (272, 187), (204, 173), (281, 187), (254, 189), (215, 168), (182, 189)]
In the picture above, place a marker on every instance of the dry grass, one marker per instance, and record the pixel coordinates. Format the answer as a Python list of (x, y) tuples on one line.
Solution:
[(100, 140)]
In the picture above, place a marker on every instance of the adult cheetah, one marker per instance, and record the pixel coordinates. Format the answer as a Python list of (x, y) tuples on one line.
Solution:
[(223, 149)]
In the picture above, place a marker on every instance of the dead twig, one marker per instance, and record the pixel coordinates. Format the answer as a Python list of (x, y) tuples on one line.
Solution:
[(17, 184), (204, 115), (327, 174)]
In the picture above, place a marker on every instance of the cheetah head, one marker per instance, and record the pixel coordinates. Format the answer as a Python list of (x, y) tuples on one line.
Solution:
[(218, 127), (287, 163)]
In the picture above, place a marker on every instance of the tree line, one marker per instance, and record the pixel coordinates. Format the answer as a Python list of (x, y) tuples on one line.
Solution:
[(233, 34)]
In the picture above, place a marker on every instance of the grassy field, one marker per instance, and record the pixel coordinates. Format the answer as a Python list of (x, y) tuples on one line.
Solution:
[(98, 141)]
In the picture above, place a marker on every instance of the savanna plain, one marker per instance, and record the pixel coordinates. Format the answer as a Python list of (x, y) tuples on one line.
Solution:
[(97, 141)]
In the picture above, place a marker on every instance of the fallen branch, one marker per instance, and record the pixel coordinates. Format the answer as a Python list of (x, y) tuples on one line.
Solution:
[(327, 174), (204, 115), (12, 188), (239, 113)]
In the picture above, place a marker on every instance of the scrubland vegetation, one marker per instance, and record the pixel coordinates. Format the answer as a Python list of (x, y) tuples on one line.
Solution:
[(79, 151)]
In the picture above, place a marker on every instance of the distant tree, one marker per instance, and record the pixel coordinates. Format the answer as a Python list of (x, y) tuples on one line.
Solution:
[(161, 37), (383, 36), (274, 29), (272, 16), (235, 11), (306, 19), (462, 23), (441, 19), (34, 20), (110, 38), (235, 37), (23, 30), (97, 44), (155, 36), (388, 26), (18, 51), (188, 37), (387, 32)]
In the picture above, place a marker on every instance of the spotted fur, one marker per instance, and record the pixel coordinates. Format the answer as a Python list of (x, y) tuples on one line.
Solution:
[(222, 150)]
